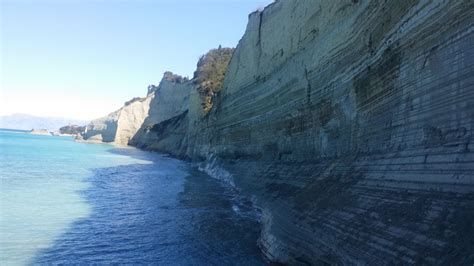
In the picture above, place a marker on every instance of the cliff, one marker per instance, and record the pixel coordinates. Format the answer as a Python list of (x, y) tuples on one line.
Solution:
[(71, 129), (119, 126), (171, 99), (131, 124), (349, 123)]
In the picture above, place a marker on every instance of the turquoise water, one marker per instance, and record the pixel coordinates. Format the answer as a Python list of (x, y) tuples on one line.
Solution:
[(64, 202)]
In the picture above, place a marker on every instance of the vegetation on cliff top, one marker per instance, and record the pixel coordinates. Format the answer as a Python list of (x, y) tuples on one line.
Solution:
[(171, 77), (72, 129), (210, 73)]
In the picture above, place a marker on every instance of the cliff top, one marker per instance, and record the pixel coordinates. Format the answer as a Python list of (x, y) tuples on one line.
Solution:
[(210, 73), (170, 77), (261, 9), (134, 99)]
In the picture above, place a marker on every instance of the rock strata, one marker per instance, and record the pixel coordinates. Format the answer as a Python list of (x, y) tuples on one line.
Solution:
[(119, 126), (350, 123), (132, 123), (171, 99)]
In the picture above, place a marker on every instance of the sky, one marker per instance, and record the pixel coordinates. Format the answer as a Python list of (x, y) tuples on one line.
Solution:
[(83, 59)]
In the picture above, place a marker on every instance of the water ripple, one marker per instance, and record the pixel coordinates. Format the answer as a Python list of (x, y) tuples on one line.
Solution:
[(159, 213)]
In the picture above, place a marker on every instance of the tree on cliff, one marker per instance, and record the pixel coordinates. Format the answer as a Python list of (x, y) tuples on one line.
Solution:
[(210, 73)]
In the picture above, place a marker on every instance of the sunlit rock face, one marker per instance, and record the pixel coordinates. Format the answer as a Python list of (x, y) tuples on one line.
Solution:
[(131, 124), (120, 126), (351, 122)]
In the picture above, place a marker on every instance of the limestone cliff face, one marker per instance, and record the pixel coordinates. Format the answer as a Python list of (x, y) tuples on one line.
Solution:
[(133, 124), (170, 101), (352, 124), (40, 132), (120, 126)]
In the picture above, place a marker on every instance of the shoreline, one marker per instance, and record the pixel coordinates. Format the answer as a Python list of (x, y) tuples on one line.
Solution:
[(211, 170)]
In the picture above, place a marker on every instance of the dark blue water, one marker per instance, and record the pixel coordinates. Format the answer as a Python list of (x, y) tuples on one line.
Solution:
[(161, 212)]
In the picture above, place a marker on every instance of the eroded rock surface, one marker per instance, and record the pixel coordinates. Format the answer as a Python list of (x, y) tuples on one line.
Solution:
[(132, 124), (349, 122), (352, 123), (119, 126), (171, 99)]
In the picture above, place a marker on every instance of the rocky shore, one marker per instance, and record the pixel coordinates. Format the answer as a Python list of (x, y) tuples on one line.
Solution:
[(349, 122)]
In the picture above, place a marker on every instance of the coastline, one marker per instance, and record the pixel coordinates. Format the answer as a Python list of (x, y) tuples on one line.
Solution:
[(342, 133)]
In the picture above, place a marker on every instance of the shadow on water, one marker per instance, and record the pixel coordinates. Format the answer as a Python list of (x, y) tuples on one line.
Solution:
[(165, 213)]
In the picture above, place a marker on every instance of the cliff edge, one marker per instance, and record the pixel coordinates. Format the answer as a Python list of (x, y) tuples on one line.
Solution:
[(351, 124)]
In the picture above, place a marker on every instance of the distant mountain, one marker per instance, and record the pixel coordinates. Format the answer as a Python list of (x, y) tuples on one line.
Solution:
[(28, 122)]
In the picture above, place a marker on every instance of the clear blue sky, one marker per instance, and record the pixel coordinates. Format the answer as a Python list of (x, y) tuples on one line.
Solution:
[(84, 58)]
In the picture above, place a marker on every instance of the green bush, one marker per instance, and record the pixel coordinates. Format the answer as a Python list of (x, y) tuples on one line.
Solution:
[(210, 73)]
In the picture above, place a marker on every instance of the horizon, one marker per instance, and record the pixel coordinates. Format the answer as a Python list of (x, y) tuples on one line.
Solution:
[(83, 60)]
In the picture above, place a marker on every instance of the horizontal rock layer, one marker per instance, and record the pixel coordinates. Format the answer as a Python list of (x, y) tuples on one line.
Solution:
[(119, 126), (131, 123), (171, 98), (352, 123), (349, 122)]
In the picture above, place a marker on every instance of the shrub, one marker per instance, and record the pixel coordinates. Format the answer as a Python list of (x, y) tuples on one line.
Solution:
[(210, 73)]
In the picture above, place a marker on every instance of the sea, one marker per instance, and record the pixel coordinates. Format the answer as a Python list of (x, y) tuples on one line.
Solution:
[(66, 202)]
